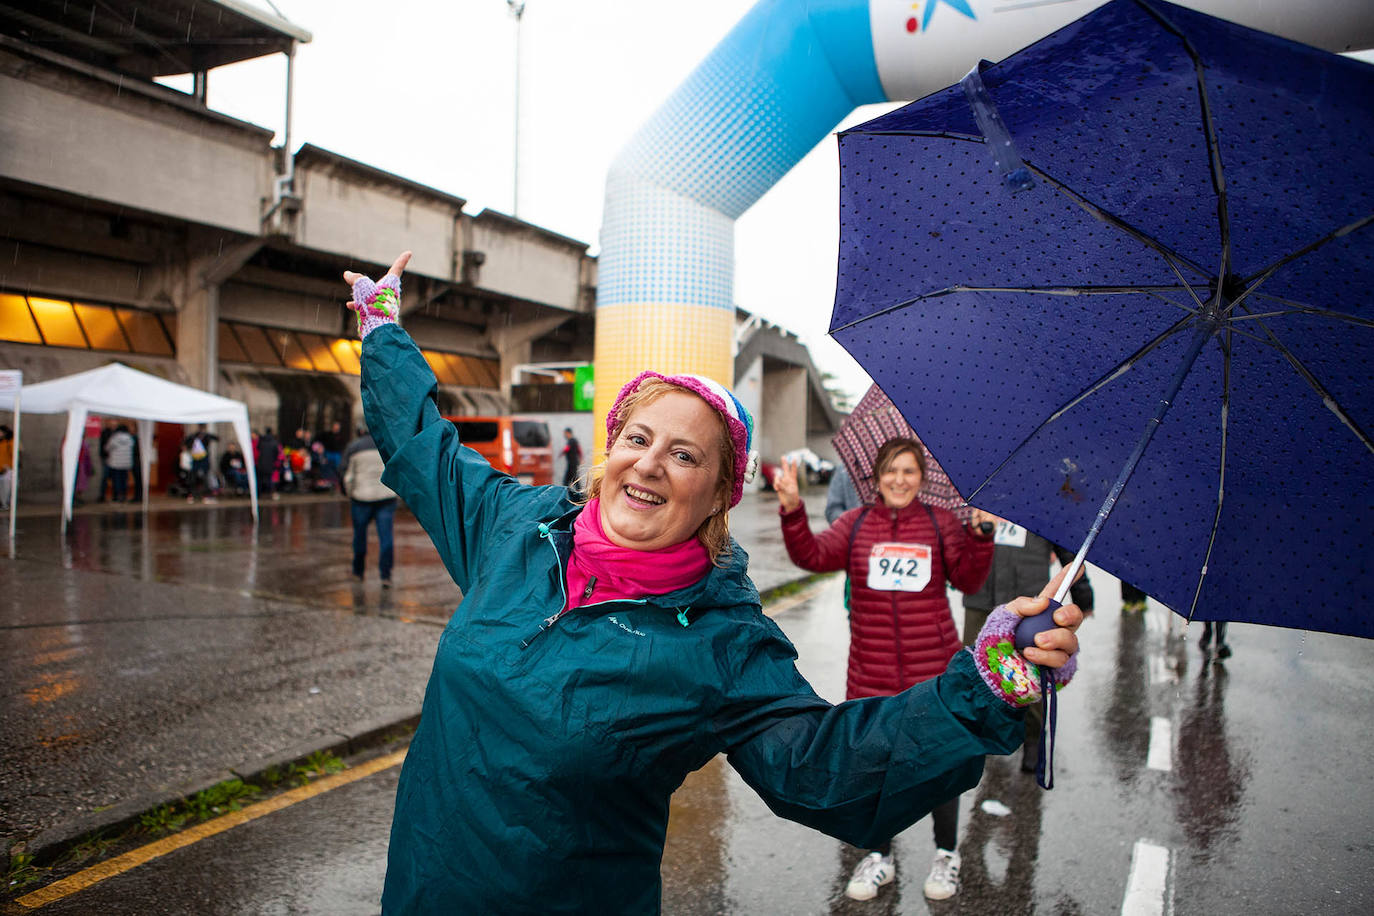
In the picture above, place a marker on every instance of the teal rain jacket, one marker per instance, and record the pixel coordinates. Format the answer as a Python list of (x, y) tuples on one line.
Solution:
[(548, 746)]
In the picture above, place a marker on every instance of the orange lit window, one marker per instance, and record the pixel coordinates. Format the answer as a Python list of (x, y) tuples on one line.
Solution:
[(230, 350), (318, 349), (440, 367), (461, 370), (15, 321), (258, 347), (146, 332), (102, 328), (58, 323), (292, 353), (489, 370), (346, 356)]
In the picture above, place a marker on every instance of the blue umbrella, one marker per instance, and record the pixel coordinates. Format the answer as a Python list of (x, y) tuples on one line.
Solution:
[(1140, 249)]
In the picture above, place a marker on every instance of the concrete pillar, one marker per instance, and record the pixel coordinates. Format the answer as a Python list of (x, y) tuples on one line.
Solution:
[(193, 285), (197, 334), (512, 343), (783, 424)]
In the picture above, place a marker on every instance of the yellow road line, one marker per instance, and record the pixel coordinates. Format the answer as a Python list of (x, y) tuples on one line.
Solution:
[(108, 869)]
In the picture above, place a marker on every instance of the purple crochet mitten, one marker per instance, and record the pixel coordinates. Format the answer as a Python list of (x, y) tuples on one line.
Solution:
[(1011, 677), (376, 303)]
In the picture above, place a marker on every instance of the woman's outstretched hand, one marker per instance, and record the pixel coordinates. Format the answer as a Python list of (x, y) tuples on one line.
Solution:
[(1052, 647), (786, 486), (351, 278), (377, 303)]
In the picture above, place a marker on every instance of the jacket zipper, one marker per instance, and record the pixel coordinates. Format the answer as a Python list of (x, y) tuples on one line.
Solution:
[(897, 620), (563, 590)]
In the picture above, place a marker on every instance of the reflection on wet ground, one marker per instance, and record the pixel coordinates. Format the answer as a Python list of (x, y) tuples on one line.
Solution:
[(137, 654)]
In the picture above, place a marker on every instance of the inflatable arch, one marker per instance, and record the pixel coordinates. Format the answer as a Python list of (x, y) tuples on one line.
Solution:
[(784, 77)]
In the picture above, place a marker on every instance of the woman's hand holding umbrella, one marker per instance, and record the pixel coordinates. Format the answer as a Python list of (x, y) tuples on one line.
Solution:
[(1055, 644)]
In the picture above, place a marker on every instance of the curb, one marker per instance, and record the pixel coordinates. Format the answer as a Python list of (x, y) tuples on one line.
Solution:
[(50, 844)]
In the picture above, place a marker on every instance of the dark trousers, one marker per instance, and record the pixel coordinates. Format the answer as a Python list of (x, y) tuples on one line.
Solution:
[(200, 477), (383, 512), (945, 820), (119, 481)]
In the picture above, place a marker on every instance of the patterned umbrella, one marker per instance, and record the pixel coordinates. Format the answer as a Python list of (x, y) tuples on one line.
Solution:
[(874, 421)]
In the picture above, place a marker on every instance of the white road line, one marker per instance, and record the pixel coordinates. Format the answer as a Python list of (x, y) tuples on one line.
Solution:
[(1148, 882), (1161, 756)]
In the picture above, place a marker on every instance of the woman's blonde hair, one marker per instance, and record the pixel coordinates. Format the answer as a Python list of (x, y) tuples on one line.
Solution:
[(714, 533)]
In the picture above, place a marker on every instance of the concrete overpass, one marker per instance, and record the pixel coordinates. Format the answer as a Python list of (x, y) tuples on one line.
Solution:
[(143, 226)]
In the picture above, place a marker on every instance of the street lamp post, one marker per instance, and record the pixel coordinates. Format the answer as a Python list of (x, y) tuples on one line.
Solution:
[(517, 9)]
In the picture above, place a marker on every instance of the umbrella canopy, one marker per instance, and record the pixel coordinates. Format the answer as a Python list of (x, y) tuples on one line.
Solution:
[(1150, 223), (874, 420)]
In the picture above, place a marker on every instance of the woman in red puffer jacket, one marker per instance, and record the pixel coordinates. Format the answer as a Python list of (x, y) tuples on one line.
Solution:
[(898, 553)]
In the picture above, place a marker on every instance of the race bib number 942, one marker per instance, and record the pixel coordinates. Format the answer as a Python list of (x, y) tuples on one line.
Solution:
[(899, 567)]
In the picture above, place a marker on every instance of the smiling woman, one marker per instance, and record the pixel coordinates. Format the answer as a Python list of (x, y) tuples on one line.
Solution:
[(606, 649), (672, 463)]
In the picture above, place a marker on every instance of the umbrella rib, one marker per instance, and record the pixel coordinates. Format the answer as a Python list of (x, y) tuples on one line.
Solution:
[(1123, 367), (1112, 219), (1318, 387), (1225, 342), (1209, 129), (1120, 369), (1303, 308), (1254, 280), (1040, 290)]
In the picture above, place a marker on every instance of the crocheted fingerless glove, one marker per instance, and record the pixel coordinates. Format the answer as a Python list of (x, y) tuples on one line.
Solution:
[(1011, 677), (376, 303)]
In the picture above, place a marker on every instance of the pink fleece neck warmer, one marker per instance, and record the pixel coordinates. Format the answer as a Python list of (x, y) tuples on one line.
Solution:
[(600, 570)]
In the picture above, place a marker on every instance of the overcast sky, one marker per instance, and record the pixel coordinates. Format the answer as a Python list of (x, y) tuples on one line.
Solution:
[(426, 89)]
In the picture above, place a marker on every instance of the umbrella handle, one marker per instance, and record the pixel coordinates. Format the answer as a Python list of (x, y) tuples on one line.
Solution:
[(1027, 629)]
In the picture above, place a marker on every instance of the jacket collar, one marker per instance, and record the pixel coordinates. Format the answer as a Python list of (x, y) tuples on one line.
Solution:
[(722, 586)]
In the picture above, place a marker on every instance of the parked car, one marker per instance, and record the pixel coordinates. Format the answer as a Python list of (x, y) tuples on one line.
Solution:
[(815, 469), (519, 446)]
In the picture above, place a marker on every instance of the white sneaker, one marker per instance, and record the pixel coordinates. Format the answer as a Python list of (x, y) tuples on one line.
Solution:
[(943, 881), (873, 871)]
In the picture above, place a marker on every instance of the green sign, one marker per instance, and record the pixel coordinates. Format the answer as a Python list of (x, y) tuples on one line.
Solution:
[(584, 387)]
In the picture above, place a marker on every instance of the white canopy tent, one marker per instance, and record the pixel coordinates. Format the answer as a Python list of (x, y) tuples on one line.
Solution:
[(118, 391)]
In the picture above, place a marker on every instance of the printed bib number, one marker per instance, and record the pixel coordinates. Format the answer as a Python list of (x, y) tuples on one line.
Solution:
[(1009, 535), (899, 567)]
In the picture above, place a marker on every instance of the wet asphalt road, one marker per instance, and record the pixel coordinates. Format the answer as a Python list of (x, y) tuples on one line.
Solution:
[(1250, 775)]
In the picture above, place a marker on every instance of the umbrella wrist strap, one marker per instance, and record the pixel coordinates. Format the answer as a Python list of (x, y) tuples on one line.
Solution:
[(1044, 761)]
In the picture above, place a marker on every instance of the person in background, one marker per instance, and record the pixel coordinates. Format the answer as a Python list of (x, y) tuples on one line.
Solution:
[(119, 460), (234, 469), (6, 464), (1132, 598), (370, 501), (572, 454), (1223, 650), (107, 429), (1020, 560), (840, 496), (265, 463), (898, 553), (333, 441), (136, 472), (610, 643), (198, 444)]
